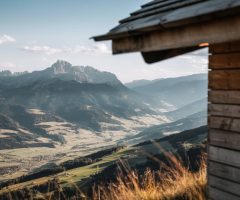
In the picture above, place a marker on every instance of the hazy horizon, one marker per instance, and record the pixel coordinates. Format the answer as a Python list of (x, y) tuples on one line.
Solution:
[(105, 71)]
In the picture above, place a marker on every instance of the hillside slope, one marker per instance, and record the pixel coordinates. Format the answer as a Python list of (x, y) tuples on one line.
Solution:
[(174, 93), (160, 131), (187, 110)]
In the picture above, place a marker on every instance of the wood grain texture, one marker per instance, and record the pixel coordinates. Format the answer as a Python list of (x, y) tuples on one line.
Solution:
[(180, 37), (216, 194), (224, 61), (225, 171), (224, 97), (224, 185), (224, 139), (222, 48), (224, 123), (226, 156), (224, 110), (224, 79)]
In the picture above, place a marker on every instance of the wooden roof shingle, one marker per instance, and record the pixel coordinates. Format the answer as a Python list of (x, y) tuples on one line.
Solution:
[(164, 14)]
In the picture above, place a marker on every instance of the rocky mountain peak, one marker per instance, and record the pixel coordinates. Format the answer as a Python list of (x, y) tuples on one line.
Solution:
[(61, 67), (82, 74)]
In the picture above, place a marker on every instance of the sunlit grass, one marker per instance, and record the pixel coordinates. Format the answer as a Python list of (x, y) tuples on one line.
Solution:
[(171, 183), (76, 175)]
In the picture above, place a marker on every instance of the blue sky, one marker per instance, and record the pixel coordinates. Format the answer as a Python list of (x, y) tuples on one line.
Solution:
[(35, 33)]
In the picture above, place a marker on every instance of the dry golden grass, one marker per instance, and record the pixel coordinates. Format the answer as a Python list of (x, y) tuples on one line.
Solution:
[(174, 182), (171, 183)]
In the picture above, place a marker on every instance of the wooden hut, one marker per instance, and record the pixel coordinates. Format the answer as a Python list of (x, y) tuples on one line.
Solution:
[(163, 29)]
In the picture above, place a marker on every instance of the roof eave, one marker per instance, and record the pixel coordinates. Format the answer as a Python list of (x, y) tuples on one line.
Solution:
[(171, 21)]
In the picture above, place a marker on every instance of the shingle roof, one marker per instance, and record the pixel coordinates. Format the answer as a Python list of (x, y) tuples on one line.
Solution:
[(163, 14)]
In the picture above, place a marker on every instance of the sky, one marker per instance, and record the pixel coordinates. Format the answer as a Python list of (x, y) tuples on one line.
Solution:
[(36, 33)]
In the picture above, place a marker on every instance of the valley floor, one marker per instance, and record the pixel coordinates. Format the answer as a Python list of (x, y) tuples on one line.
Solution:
[(78, 142)]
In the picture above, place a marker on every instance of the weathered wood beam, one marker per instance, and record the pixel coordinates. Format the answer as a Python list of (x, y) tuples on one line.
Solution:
[(229, 47), (225, 139), (218, 194), (224, 185), (224, 97), (225, 61), (224, 123), (211, 32), (225, 171), (226, 156), (224, 79), (224, 110)]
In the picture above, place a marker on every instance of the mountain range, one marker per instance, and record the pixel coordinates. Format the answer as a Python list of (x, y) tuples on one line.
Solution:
[(61, 70), (72, 110), (83, 97)]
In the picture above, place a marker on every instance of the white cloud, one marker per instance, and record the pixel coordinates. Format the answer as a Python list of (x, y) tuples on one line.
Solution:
[(197, 59), (42, 49), (96, 49), (6, 39)]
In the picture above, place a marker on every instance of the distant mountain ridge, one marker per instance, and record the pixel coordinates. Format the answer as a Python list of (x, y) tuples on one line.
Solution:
[(189, 109), (175, 92), (137, 83), (8, 73), (166, 81), (62, 70)]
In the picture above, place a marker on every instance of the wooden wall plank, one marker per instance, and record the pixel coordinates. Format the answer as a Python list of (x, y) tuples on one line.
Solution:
[(224, 61), (225, 171), (216, 194), (224, 79), (228, 47), (224, 123), (226, 97), (224, 185), (226, 156), (224, 110), (224, 139)]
